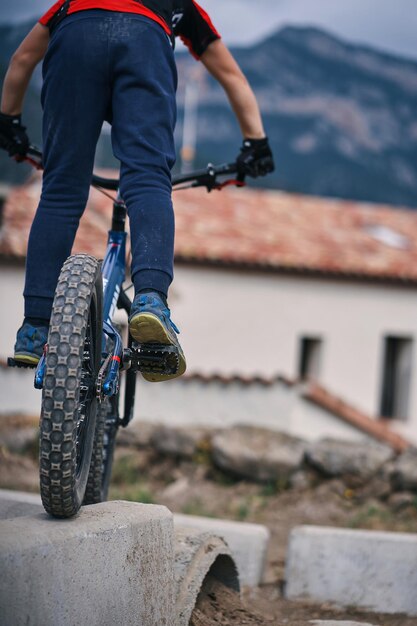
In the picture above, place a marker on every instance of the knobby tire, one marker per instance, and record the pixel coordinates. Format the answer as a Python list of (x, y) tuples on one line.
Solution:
[(102, 458), (69, 404)]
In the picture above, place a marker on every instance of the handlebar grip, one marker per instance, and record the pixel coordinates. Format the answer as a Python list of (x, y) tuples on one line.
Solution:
[(241, 177)]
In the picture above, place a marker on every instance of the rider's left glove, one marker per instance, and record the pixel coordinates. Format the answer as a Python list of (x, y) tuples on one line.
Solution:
[(13, 137)]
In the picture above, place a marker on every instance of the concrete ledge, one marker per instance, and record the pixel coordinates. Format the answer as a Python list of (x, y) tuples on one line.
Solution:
[(111, 564), (18, 504), (373, 570), (58, 557), (198, 554), (248, 543)]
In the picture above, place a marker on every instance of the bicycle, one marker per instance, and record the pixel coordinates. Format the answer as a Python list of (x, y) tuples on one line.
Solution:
[(81, 367)]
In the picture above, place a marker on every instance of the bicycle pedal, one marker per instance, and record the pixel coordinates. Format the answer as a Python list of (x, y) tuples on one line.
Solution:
[(155, 358), (11, 362)]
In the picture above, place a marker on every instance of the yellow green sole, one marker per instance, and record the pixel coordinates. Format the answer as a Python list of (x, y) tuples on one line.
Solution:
[(25, 358), (147, 328)]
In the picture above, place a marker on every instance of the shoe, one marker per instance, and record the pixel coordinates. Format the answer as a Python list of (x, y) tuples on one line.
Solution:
[(30, 341), (150, 322)]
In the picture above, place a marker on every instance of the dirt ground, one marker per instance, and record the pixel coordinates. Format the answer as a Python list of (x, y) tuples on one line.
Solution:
[(196, 487)]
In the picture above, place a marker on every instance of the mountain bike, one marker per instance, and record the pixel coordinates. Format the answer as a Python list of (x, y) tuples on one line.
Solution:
[(84, 360)]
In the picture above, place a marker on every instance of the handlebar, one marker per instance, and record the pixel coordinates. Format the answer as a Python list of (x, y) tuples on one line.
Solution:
[(207, 177)]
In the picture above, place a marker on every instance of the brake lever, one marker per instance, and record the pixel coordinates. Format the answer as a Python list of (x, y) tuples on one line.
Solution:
[(235, 182), (211, 182), (36, 162)]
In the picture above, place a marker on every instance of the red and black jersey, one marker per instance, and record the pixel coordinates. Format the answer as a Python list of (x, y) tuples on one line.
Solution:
[(179, 18), (194, 27)]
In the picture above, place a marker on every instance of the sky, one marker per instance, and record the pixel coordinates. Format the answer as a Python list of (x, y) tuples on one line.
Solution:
[(384, 24)]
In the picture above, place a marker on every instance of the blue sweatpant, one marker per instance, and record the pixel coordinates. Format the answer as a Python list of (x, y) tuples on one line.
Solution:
[(104, 65)]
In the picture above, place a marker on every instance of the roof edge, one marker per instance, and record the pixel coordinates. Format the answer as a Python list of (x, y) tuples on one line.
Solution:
[(374, 427), (294, 270)]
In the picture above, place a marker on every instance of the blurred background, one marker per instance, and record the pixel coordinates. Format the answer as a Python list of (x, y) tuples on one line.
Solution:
[(336, 84), (309, 275), (296, 297)]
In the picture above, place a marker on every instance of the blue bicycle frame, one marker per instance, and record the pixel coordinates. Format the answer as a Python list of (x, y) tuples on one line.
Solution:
[(113, 273)]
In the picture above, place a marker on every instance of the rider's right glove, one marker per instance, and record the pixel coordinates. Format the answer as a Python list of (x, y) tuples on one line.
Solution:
[(13, 137), (255, 158)]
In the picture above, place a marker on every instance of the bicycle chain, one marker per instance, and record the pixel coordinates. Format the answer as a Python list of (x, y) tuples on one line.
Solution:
[(100, 377)]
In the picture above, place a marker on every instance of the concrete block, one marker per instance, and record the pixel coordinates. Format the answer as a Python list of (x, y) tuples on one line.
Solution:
[(18, 504), (373, 570), (111, 564), (248, 543), (198, 554)]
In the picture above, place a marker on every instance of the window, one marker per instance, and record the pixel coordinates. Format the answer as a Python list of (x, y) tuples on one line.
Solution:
[(310, 357), (396, 377)]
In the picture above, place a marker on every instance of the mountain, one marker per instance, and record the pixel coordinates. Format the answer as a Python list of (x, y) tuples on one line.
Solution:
[(341, 117)]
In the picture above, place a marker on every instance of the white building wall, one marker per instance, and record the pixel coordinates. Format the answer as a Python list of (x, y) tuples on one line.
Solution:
[(215, 405), (248, 323), (252, 323)]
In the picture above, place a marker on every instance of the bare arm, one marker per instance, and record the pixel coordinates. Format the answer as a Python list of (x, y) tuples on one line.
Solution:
[(23, 62), (222, 66)]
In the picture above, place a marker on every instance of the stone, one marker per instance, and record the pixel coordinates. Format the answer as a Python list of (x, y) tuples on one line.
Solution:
[(377, 487), (366, 569), (177, 489), (404, 471), (19, 439), (258, 454), (300, 480), (402, 500), (137, 435), (182, 442), (348, 458)]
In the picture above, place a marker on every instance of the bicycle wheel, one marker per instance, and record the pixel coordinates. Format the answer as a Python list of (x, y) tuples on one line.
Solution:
[(102, 458), (69, 405)]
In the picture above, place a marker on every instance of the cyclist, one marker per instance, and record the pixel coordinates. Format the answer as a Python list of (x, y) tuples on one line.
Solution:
[(113, 60)]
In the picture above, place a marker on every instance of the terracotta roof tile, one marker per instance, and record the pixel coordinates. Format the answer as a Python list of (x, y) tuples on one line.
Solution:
[(376, 428), (252, 228), (217, 377)]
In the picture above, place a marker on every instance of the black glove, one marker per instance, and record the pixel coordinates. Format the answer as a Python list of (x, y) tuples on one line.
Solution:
[(255, 158), (13, 137)]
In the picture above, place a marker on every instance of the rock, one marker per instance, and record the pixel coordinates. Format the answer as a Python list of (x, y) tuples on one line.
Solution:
[(18, 472), (404, 472), (19, 439), (176, 489), (182, 441), (137, 435), (258, 454), (354, 458), (378, 487), (400, 501), (301, 480)]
